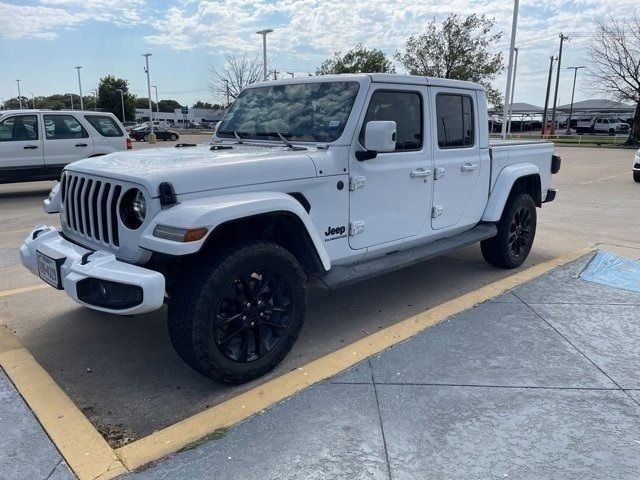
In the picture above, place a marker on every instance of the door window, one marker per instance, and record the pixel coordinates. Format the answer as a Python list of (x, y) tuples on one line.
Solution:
[(19, 128), (404, 108), (454, 115), (63, 127), (105, 126)]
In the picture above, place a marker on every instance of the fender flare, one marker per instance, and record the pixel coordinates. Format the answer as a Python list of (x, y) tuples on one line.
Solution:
[(502, 189), (211, 212)]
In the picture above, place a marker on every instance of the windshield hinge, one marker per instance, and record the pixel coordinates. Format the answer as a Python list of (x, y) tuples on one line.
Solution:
[(356, 183), (356, 227)]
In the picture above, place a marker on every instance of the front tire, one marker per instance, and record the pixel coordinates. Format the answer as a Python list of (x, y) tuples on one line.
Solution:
[(173, 138), (235, 316), (145, 138), (636, 177), (516, 232)]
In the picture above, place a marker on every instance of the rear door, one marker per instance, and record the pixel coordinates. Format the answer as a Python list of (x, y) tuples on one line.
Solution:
[(20, 142), (456, 156), (390, 194), (65, 140)]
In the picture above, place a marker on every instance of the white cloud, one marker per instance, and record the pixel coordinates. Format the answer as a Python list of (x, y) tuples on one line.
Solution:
[(44, 20)]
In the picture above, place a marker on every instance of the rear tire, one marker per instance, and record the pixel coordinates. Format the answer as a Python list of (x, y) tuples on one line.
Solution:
[(235, 316), (173, 138), (516, 232), (636, 176)]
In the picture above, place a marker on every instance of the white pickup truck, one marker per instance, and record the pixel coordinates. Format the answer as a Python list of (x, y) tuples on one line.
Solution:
[(334, 178), (37, 144)]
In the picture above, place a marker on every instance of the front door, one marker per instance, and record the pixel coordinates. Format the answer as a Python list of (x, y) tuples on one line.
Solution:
[(66, 140), (456, 156), (20, 143), (390, 194)]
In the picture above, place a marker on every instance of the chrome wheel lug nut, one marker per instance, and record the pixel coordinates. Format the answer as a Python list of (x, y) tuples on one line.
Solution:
[(253, 324), (244, 317)]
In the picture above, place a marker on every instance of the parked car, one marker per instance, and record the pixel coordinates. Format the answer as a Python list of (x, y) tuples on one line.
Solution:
[(37, 144), (334, 178), (602, 126), (129, 125), (636, 167), (162, 133)]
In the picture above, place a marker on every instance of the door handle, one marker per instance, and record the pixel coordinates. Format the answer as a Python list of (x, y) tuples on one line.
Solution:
[(30, 147), (468, 167), (420, 173), (81, 145)]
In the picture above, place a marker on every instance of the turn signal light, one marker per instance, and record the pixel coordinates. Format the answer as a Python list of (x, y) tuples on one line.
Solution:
[(129, 144), (179, 234)]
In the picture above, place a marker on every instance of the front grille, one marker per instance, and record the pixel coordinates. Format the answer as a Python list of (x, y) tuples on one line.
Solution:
[(91, 208)]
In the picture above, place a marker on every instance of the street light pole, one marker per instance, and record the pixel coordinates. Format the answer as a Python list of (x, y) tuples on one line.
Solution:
[(152, 136), (71, 97), (19, 94), (122, 102), (513, 89), (264, 49), (507, 95), (573, 91), (80, 87), (33, 100), (157, 104)]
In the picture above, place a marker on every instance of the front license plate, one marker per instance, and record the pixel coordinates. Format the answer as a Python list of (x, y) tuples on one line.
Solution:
[(49, 269)]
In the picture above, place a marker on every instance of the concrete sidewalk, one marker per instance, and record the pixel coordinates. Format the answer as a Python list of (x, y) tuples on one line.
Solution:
[(541, 382), (25, 449)]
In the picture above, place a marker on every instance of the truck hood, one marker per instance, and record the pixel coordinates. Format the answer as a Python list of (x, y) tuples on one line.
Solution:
[(195, 169)]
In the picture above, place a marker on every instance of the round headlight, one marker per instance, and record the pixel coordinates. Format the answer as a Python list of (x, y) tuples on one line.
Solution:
[(133, 209)]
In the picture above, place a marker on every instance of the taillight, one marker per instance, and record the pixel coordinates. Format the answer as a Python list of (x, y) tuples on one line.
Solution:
[(129, 144)]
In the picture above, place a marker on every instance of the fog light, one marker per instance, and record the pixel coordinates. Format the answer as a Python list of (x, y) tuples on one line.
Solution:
[(179, 234), (107, 294)]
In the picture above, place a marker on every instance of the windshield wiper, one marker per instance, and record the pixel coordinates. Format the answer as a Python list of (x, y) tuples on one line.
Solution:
[(282, 137), (235, 133)]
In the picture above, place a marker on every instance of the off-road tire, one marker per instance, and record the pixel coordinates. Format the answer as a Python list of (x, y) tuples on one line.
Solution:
[(498, 250), (195, 301), (636, 176)]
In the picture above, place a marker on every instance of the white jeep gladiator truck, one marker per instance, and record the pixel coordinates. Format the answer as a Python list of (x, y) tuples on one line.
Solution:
[(335, 178)]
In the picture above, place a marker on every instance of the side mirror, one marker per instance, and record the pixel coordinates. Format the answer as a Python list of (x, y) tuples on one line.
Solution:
[(380, 136)]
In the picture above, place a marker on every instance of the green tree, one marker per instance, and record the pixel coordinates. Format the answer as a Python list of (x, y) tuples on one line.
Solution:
[(359, 59), (459, 48), (614, 64), (109, 97), (212, 106), (168, 105)]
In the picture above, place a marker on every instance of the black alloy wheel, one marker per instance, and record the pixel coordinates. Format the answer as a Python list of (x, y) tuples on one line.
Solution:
[(253, 314), (520, 231)]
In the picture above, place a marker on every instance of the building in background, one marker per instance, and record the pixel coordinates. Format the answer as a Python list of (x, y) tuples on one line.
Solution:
[(202, 116)]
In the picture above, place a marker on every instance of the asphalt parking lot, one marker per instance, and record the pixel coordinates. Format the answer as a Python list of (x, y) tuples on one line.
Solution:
[(124, 375)]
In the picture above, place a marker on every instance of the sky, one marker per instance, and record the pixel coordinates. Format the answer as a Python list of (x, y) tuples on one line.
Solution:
[(42, 40)]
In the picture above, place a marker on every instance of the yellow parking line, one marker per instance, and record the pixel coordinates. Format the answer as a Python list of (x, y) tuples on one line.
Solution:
[(15, 291), (89, 455), (84, 449)]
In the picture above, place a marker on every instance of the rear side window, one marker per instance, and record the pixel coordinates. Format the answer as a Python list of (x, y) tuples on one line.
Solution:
[(454, 114), (63, 127), (404, 108), (106, 126), (19, 128)]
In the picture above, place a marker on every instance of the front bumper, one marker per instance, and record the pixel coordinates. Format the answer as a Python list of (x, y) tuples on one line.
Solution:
[(80, 265)]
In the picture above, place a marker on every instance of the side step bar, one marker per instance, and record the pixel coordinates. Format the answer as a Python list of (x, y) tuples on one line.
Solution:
[(340, 276)]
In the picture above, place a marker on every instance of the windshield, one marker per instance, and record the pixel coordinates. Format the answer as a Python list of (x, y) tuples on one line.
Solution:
[(306, 112)]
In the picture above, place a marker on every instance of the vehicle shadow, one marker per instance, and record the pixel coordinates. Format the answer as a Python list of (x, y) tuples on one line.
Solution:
[(31, 193)]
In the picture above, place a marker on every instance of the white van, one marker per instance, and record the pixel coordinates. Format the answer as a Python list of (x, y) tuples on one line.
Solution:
[(37, 144)]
